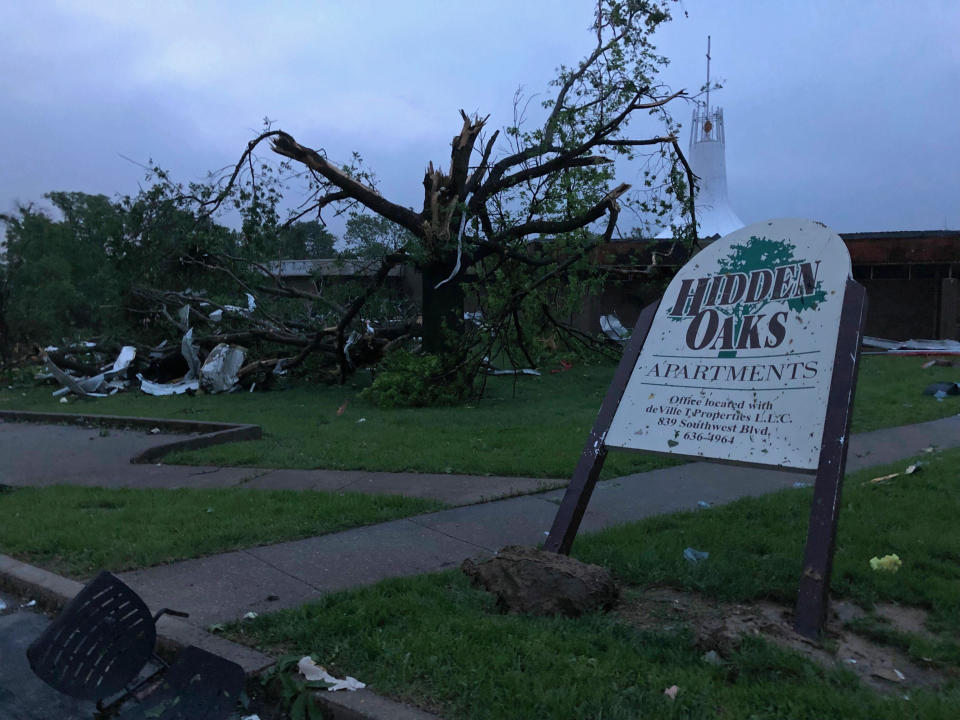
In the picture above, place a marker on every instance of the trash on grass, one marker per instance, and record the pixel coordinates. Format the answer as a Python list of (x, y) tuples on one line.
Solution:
[(695, 556), (938, 362), (888, 563), (883, 479), (889, 673), (712, 657), (671, 692), (317, 673), (801, 484), (704, 504), (941, 389), (250, 616)]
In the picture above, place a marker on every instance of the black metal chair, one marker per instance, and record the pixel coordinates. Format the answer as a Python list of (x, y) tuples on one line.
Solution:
[(102, 640)]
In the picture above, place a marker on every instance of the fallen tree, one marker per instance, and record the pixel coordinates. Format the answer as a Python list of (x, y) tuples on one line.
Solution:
[(506, 231)]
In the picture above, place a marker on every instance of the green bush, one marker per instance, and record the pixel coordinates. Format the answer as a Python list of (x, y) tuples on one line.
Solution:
[(408, 380)]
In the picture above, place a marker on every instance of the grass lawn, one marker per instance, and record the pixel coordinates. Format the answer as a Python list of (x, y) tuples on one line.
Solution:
[(533, 427), (440, 643), (78, 531)]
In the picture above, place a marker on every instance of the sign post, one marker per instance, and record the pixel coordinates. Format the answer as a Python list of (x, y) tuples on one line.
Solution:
[(749, 358)]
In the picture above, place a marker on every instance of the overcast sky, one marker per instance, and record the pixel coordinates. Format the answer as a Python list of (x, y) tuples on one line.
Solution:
[(844, 112)]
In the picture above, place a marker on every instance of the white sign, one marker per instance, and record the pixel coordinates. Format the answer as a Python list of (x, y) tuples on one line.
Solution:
[(738, 361)]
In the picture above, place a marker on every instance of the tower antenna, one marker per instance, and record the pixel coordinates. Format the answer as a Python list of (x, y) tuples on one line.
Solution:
[(708, 75)]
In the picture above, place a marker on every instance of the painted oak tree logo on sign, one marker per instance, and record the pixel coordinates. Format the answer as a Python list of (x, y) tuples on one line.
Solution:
[(728, 311)]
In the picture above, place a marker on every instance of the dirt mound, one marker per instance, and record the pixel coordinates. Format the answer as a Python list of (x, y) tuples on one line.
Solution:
[(527, 580)]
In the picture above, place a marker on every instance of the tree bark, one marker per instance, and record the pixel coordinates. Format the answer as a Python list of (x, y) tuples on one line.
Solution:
[(442, 308)]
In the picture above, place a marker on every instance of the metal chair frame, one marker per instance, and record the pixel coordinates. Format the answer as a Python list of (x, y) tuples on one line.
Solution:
[(103, 639)]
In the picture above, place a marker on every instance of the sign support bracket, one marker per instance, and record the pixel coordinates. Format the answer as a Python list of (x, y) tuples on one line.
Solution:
[(813, 595), (585, 476)]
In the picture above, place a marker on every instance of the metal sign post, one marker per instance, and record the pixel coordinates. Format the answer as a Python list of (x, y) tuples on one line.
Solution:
[(575, 499), (674, 393), (812, 598)]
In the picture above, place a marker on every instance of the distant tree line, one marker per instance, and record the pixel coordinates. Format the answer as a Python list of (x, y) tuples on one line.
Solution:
[(73, 274)]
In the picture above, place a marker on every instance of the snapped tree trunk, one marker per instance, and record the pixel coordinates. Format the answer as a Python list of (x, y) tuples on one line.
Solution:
[(442, 309)]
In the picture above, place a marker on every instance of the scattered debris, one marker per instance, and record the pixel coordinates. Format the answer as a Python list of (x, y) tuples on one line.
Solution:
[(189, 352), (939, 362), (343, 408), (613, 328), (671, 692), (914, 347), (695, 556), (361, 420), (155, 431), (491, 370), (219, 371), (883, 479), (317, 673), (564, 366), (800, 484), (712, 657), (888, 563), (83, 387), (127, 355), (29, 603), (250, 616), (941, 389), (704, 504), (522, 371), (178, 388)]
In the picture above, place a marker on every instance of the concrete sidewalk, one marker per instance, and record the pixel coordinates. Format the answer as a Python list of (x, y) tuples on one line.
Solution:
[(224, 587), (36, 455)]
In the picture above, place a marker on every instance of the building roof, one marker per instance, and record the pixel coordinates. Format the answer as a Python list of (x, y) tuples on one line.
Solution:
[(327, 267)]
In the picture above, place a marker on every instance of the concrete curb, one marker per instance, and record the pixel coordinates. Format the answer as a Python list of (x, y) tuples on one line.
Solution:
[(52, 592), (209, 433)]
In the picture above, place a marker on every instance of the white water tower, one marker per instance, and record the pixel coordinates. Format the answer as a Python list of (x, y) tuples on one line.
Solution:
[(707, 157)]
